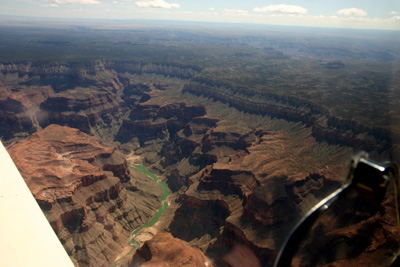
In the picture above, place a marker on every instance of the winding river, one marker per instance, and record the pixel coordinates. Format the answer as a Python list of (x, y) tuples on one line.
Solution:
[(163, 207), (160, 211)]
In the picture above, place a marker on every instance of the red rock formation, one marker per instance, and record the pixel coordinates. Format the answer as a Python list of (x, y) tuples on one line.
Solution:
[(324, 126), (229, 139), (18, 105), (231, 244), (253, 187), (265, 193), (197, 217), (85, 191), (163, 250), (64, 154), (147, 122), (53, 92), (70, 102), (229, 182), (86, 110)]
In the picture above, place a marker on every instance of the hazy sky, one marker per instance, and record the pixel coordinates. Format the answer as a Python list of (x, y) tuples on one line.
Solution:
[(371, 14)]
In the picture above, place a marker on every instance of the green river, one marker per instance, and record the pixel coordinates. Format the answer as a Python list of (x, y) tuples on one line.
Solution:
[(163, 207)]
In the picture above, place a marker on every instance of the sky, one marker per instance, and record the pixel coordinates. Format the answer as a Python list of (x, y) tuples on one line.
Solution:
[(364, 14)]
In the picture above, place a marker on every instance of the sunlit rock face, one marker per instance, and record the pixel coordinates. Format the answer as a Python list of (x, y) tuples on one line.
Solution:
[(86, 96), (165, 250), (89, 96), (244, 199), (82, 187), (95, 108), (236, 190)]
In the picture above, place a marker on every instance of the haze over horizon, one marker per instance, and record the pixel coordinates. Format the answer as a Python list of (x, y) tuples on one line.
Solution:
[(165, 132), (368, 14)]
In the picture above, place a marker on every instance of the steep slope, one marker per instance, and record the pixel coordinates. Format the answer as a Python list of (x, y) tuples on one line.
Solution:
[(231, 185), (87, 191), (79, 95), (239, 184), (165, 250), (325, 125), (91, 96)]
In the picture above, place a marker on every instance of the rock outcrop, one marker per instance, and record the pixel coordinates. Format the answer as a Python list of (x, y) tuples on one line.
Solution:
[(174, 70), (260, 195), (86, 96), (236, 190), (91, 111), (228, 182), (84, 189), (165, 250), (196, 218), (325, 126), (89, 96), (149, 122)]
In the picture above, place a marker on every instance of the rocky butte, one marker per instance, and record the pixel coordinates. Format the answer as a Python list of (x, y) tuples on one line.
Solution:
[(243, 166), (165, 250), (87, 191)]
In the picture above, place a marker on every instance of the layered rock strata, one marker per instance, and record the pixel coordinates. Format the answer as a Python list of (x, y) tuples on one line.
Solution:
[(237, 191), (325, 126), (92, 96), (165, 250), (233, 195), (148, 122), (80, 95), (86, 190)]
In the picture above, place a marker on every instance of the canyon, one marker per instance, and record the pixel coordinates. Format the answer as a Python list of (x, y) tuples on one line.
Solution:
[(86, 191), (243, 160)]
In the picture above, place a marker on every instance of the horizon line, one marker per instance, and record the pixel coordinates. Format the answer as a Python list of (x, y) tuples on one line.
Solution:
[(77, 20)]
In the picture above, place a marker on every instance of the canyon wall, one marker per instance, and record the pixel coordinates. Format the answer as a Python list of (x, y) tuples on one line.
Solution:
[(89, 96), (325, 126), (234, 190), (87, 191)]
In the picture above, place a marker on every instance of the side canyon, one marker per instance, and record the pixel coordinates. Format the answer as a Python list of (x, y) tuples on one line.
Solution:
[(243, 161)]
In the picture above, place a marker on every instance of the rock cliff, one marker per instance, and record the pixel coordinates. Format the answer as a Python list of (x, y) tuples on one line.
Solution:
[(325, 126), (90, 96), (165, 250), (236, 190), (85, 191), (149, 122), (80, 95), (259, 195)]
